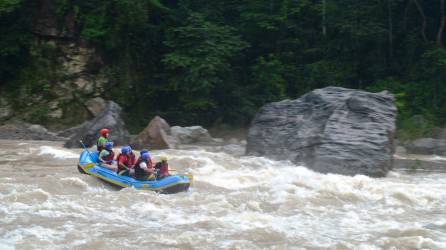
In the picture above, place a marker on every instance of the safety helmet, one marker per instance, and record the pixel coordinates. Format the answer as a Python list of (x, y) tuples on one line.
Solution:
[(108, 145), (163, 158), (130, 148), (145, 156), (124, 150), (104, 131), (143, 151)]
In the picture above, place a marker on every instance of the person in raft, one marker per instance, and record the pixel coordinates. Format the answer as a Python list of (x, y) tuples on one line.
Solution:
[(100, 144), (162, 168), (144, 169), (126, 161), (106, 156)]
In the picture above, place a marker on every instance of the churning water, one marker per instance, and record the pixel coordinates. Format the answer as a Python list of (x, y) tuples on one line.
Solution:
[(235, 203)]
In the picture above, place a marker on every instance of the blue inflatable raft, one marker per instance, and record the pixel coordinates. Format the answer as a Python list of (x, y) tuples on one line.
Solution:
[(171, 184)]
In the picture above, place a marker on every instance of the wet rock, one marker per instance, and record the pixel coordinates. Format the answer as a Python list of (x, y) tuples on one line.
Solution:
[(154, 136), (427, 146), (18, 130), (330, 130), (38, 129), (188, 135), (420, 164), (109, 118), (96, 105)]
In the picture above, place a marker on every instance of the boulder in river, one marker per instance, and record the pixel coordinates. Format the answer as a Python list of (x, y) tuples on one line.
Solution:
[(109, 118), (427, 146), (329, 130), (188, 135), (154, 136), (19, 130)]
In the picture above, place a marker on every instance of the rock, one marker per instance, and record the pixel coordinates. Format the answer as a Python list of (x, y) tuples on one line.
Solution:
[(400, 150), (154, 136), (427, 146), (187, 135), (420, 164), (18, 130), (57, 114), (96, 105), (38, 129), (109, 118), (51, 24), (330, 130)]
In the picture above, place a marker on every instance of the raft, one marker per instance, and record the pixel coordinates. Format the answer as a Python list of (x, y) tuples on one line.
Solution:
[(168, 185)]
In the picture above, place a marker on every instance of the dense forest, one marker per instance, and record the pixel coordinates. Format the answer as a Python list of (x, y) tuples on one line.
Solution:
[(216, 62)]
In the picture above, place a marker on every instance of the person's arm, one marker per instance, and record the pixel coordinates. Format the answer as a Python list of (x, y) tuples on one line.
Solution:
[(143, 166), (102, 154)]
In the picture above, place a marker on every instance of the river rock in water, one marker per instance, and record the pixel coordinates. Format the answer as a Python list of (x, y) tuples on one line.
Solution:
[(154, 136), (18, 130), (427, 146), (109, 118), (188, 135), (330, 130)]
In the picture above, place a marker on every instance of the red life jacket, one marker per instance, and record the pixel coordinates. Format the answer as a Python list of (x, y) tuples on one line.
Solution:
[(132, 160), (163, 168), (109, 158), (124, 159)]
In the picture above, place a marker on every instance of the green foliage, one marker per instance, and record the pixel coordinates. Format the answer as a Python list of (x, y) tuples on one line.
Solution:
[(268, 79), (8, 6), (218, 61), (199, 61)]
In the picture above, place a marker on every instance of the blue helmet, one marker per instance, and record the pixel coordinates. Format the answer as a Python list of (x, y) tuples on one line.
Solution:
[(130, 148), (124, 150), (108, 145), (143, 151), (145, 155)]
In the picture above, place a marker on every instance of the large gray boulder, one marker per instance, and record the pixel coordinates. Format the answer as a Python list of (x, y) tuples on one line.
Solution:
[(330, 130), (109, 118), (427, 146)]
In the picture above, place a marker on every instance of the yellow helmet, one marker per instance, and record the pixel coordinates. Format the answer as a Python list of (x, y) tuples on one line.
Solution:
[(163, 158)]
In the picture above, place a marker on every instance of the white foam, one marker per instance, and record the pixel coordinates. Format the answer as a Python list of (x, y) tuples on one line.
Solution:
[(57, 153)]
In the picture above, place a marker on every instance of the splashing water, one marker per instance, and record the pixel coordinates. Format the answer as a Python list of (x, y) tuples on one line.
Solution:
[(235, 203)]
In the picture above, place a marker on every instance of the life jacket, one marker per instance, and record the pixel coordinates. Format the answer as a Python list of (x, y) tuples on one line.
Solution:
[(99, 145), (163, 169), (139, 172), (132, 160), (125, 161), (109, 158)]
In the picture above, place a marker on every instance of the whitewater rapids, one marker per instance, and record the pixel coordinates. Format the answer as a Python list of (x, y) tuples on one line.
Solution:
[(236, 202)]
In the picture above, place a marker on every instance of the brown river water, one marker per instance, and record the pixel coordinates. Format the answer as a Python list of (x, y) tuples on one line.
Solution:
[(236, 202)]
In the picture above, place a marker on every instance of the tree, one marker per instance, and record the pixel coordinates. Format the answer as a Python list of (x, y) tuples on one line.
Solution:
[(199, 61)]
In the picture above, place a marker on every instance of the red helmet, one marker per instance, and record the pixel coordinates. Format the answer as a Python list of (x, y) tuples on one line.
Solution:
[(103, 131)]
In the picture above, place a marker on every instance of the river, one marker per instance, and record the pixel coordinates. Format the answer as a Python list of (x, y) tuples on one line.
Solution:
[(236, 202)]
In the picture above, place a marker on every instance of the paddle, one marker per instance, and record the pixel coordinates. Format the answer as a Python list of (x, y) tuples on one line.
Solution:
[(86, 149)]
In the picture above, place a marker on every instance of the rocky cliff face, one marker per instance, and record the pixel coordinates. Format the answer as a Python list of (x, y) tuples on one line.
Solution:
[(71, 83), (330, 130)]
